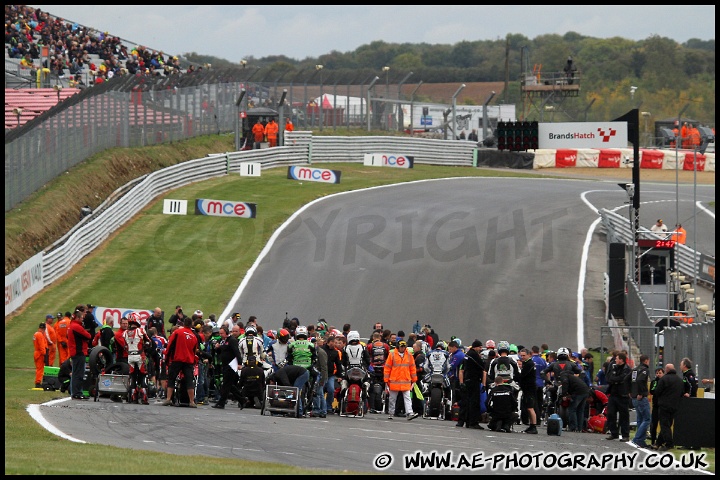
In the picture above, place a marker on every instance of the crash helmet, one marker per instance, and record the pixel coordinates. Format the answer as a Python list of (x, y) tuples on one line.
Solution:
[(134, 319), (441, 345), (301, 332), (513, 348), (563, 353), (503, 346), (353, 336), (251, 331), (283, 335), (596, 423), (490, 344)]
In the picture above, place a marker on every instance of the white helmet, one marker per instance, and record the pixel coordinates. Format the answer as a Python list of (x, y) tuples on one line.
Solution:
[(563, 353), (301, 331), (251, 331), (353, 335)]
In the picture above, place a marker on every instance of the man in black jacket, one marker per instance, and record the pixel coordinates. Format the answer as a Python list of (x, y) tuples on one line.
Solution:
[(334, 366), (654, 419), (157, 320), (89, 322), (578, 391), (472, 377), (668, 392), (229, 351), (528, 387), (639, 394), (618, 378), (689, 378), (419, 355), (502, 404)]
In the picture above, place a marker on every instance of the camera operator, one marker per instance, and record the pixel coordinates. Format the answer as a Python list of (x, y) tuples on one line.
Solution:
[(177, 318)]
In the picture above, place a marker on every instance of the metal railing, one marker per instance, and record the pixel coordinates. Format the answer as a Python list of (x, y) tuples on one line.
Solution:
[(138, 111), (695, 341), (619, 230)]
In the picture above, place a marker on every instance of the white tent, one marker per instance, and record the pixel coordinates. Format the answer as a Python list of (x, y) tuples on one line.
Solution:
[(339, 101)]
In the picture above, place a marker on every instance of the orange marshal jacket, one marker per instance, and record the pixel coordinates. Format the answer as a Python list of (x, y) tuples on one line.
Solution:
[(680, 235), (40, 343), (399, 372), (271, 130), (258, 132)]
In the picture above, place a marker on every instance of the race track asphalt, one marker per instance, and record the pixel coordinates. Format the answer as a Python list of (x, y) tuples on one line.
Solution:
[(479, 258)]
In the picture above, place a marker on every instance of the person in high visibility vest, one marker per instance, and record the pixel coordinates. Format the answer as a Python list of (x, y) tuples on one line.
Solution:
[(695, 138), (271, 132), (685, 136), (40, 344), (679, 235), (258, 132)]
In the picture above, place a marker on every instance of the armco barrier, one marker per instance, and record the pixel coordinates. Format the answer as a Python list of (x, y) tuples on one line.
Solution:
[(301, 147)]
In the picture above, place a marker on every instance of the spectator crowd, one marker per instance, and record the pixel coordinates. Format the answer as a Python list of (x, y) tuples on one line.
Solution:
[(69, 46)]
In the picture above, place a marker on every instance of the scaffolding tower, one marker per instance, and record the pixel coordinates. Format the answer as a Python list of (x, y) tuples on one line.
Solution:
[(547, 92)]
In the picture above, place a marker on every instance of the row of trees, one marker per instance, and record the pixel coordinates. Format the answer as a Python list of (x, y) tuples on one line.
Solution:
[(668, 74)]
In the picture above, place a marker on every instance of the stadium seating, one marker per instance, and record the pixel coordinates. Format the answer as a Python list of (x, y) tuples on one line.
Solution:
[(33, 102)]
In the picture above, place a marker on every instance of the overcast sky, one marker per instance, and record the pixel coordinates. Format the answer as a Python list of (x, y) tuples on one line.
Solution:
[(234, 32)]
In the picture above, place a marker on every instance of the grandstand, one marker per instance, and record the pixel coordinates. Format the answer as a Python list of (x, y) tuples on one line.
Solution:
[(48, 75)]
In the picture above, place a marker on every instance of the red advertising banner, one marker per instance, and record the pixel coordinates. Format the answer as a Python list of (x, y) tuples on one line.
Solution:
[(609, 158), (565, 157), (651, 159), (688, 163)]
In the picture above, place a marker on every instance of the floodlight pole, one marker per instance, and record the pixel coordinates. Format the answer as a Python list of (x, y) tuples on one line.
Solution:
[(485, 114), (238, 120), (454, 101), (401, 120), (412, 106), (369, 89), (677, 166), (319, 69)]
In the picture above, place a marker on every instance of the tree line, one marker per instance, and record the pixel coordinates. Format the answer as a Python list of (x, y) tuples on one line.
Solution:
[(668, 75)]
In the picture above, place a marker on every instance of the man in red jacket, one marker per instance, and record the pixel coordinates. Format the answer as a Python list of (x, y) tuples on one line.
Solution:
[(180, 354), (78, 340)]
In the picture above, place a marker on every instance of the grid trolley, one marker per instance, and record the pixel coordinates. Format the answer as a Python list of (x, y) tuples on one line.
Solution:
[(281, 400), (112, 384)]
